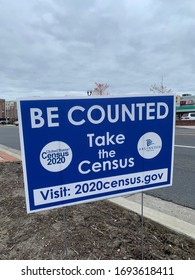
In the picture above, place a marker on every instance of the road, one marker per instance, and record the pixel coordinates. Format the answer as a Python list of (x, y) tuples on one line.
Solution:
[(9, 136), (183, 190)]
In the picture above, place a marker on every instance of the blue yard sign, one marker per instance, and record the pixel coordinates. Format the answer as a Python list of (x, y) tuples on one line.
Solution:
[(79, 150)]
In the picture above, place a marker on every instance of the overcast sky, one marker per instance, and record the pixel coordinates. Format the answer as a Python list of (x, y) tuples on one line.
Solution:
[(51, 47)]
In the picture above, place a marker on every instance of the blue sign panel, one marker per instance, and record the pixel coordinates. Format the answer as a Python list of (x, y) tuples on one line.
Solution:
[(78, 150)]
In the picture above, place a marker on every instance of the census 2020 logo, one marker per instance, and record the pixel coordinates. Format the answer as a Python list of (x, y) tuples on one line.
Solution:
[(56, 156), (149, 145)]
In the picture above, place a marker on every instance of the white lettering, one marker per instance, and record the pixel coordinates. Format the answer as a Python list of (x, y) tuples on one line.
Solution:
[(89, 114), (125, 111), (96, 114), (86, 166), (80, 167), (51, 116), (161, 105), (70, 118), (140, 110), (105, 140), (116, 113), (150, 110), (36, 118)]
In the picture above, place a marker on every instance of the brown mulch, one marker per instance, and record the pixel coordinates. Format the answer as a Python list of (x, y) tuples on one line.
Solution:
[(98, 230)]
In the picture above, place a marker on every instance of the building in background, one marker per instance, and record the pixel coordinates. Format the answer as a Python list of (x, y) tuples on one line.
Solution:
[(2, 109), (185, 104), (11, 111)]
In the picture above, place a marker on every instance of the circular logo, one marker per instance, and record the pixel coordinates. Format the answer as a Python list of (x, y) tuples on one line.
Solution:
[(56, 156), (149, 145)]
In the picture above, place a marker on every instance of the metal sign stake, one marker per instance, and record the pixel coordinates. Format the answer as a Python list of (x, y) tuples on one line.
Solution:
[(65, 235), (142, 225)]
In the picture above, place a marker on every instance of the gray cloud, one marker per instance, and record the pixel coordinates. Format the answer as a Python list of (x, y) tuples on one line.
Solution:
[(50, 47)]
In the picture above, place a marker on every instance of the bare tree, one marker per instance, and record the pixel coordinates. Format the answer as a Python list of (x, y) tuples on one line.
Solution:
[(99, 89), (155, 88)]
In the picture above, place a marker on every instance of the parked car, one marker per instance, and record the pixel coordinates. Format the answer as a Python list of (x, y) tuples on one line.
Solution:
[(3, 121), (16, 123), (188, 116)]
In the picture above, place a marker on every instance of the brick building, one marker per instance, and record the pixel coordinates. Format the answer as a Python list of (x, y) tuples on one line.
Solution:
[(11, 110), (2, 109)]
